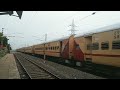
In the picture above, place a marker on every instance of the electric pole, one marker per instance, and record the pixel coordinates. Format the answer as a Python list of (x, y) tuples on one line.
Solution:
[(72, 28), (45, 37), (44, 46)]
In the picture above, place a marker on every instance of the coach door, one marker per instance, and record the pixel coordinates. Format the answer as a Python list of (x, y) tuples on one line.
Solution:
[(88, 48)]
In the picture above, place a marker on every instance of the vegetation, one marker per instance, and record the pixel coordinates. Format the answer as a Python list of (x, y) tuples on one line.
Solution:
[(2, 53), (4, 46)]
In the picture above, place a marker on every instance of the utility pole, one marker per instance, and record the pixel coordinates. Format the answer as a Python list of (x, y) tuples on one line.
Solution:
[(45, 37), (44, 46), (72, 28)]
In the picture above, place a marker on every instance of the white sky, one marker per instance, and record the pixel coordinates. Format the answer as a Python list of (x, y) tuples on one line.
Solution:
[(33, 26)]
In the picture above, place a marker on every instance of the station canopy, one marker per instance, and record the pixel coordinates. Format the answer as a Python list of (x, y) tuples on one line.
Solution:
[(11, 13)]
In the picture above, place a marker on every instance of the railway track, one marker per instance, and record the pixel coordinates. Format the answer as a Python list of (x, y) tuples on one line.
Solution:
[(33, 70), (64, 72)]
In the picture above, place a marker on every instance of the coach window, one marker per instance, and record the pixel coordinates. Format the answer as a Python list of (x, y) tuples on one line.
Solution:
[(116, 44), (95, 46), (105, 45), (57, 47), (88, 46)]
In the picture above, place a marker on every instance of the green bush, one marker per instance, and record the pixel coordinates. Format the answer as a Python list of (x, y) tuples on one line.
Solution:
[(2, 53)]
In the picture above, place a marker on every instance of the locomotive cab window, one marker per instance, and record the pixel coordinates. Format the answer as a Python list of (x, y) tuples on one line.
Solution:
[(105, 45), (116, 44), (95, 46), (77, 46)]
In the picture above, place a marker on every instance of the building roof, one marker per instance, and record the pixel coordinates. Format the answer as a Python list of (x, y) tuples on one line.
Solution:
[(19, 13)]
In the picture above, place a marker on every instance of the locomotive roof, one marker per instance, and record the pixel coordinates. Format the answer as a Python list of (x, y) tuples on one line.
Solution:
[(102, 29)]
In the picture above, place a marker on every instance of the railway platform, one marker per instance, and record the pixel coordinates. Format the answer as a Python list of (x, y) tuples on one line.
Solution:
[(8, 68)]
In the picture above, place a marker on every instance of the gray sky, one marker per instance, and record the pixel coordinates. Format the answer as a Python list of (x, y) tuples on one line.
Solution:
[(33, 26)]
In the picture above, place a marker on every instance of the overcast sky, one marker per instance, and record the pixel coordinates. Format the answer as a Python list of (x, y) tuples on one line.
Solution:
[(33, 26)]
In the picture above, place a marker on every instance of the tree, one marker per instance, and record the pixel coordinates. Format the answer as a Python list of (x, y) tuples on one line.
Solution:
[(4, 43), (9, 48), (1, 37), (1, 34), (3, 40)]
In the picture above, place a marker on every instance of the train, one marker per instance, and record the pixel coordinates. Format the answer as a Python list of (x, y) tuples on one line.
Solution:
[(101, 46)]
